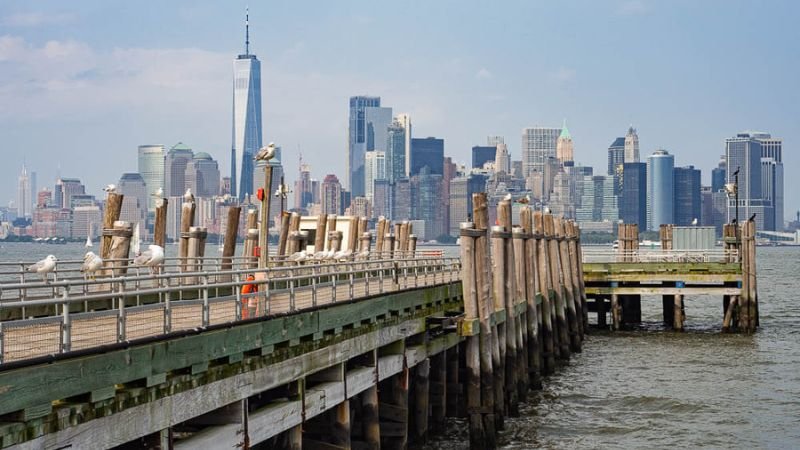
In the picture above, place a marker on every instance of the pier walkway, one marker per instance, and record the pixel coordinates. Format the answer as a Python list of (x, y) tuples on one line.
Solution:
[(365, 351)]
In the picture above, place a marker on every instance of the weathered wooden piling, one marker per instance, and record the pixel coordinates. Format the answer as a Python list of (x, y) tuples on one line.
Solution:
[(111, 212), (319, 235), (521, 301), (748, 301), (119, 248), (332, 219), (665, 232), (508, 303), (365, 242), (352, 235), (335, 240), (160, 227), (388, 245), (576, 270), (283, 235), (491, 377), (558, 287), (566, 283), (187, 221), (476, 341), (369, 418), (438, 390), (534, 342), (229, 242), (412, 245), (380, 233), (193, 253), (362, 228), (421, 400), (504, 379), (546, 333)]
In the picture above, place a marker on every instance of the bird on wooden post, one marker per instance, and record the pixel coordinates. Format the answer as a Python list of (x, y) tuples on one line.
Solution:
[(265, 154)]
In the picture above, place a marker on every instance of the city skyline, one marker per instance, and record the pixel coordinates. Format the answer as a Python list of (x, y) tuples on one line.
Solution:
[(75, 61)]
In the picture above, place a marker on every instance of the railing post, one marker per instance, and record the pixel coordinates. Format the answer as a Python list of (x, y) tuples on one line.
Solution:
[(121, 316), (2, 343), (206, 311), (66, 326), (350, 280), (167, 313), (334, 276), (291, 290), (380, 278), (366, 280), (238, 294)]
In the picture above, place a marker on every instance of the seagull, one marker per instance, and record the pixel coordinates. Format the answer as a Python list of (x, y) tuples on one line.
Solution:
[(111, 188), (44, 266), (342, 254), (524, 200), (188, 196), (507, 197), (91, 264), (266, 153), (320, 255), (546, 210), (158, 194), (298, 257), (153, 256), (694, 222), (363, 255)]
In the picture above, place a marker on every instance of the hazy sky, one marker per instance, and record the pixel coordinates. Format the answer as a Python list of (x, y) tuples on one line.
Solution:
[(82, 84)]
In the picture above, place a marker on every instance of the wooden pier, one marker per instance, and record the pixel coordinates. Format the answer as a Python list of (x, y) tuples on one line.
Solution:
[(373, 348)]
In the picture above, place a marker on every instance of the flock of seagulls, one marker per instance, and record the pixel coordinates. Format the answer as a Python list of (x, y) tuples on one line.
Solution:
[(327, 255)]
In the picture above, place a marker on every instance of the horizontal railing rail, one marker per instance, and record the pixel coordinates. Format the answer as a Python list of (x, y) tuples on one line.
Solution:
[(595, 255), (83, 313)]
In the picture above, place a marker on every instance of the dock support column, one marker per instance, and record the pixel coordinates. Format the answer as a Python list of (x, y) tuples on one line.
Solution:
[(543, 288), (569, 292), (521, 299), (393, 411), (678, 314), (529, 281), (454, 396), (438, 389), (160, 227), (187, 222), (616, 310), (421, 401), (504, 379), (558, 288), (668, 305), (370, 419)]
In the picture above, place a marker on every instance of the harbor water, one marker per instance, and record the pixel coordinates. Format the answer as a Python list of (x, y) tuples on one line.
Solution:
[(650, 387)]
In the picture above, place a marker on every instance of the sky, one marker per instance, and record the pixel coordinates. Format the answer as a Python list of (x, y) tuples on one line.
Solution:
[(83, 84)]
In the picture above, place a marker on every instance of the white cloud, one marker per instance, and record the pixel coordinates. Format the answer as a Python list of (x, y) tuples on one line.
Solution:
[(563, 74), (35, 19), (632, 8), (483, 74)]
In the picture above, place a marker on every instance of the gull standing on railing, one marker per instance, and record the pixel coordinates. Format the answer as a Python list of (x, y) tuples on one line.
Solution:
[(91, 264), (44, 266), (152, 257)]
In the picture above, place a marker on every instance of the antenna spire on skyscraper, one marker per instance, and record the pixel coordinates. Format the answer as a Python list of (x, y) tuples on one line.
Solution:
[(247, 31)]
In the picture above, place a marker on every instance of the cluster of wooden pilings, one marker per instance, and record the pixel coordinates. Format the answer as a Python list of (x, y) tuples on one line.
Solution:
[(394, 240), (741, 311), (524, 307)]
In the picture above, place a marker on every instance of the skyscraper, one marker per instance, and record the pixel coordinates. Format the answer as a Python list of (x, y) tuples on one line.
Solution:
[(483, 154), (368, 127), (502, 161), (303, 188), (633, 199), (151, 168), (564, 147), (246, 117), (405, 121), (660, 189), (395, 151), (538, 144), (24, 199), (616, 155), (745, 153), (202, 175), (134, 201), (631, 145), (331, 195), (175, 163), (427, 152), (718, 175), (687, 200), (426, 195)]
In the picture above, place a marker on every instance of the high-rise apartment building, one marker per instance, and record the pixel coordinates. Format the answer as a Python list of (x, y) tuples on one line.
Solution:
[(331, 195), (616, 155), (426, 195), (660, 189), (303, 188), (687, 201), (631, 145), (66, 189), (405, 121), (175, 163), (461, 190), (564, 147), (718, 175), (596, 201), (151, 168), (427, 152), (538, 144), (24, 198), (374, 169), (247, 123), (772, 177)]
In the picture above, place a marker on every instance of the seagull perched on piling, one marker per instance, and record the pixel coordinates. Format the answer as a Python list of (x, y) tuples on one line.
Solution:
[(91, 264), (524, 200), (266, 153), (111, 188), (188, 197), (44, 266), (694, 222), (158, 194), (507, 197), (153, 256)]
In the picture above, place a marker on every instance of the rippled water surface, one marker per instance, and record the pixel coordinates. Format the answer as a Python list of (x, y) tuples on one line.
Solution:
[(653, 388)]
